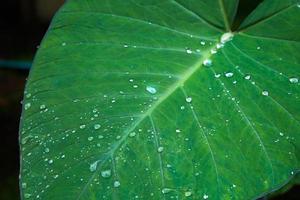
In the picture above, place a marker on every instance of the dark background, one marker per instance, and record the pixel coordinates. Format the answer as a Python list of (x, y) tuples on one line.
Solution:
[(23, 24)]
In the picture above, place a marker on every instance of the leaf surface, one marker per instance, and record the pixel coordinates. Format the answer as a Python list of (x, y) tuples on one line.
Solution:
[(157, 99)]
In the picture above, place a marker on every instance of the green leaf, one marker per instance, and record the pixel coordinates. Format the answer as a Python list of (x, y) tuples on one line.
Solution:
[(157, 99)]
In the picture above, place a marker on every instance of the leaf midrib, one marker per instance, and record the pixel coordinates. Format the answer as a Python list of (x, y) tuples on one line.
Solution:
[(176, 85), (185, 77)]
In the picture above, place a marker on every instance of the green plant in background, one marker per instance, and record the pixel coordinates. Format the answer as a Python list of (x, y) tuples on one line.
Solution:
[(160, 99)]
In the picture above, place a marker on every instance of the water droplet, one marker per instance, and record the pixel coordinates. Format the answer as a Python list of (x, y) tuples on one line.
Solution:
[(226, 37), (47, 150), (106, 173), (42, 107), (258, 48), (188, 193), (229, 74), (294, 80), (100, 136), (189, 99), (205, 196), (24, 185), (27, 106), (50, 161), (151, 89), (189, 51), (207, 62), (220, 45), (166, 190), (93, 166), (132, 134), (63, 44), (117, 184), (125, 46), (202, 43), (97, 126), (281, 134), (160, 149), (247, 77), (28, 95), (213, 51), (265, 93), (27, 196), (135, 86), (82, 126), (217, 75), (178, 130), (90, 138)]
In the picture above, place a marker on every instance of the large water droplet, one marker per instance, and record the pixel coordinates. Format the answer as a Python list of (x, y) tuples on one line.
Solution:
[(82, 126), (189, 99), (151, 89), (265, 93), (226, 37), (166, 190), (117, 184), (24, 185), (205, 196), (160, 149), (247, 77), (42, 107), (189, 51), (93, 166), (207, 62), (229, 74), (106, 173), (188, 193), (294, 80), (27, 106), (132, 134), (97, 126)]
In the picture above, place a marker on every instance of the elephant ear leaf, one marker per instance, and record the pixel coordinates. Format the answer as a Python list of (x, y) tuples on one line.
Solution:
[(160, 99)]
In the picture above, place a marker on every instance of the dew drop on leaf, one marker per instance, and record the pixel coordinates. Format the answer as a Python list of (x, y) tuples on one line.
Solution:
[(226, 37), (188, 193), (93, 166), (189, 51), (160, 149), (151, 89), (189, 99), (229, 74), (247, 77), (217, 75), (166, 190), (265, 93), (207, 62), (132, 134), (27, 106), (205, 196), (97, 126), (117, 184), (24, 185), (82, 126), (294, 80), (106, 173)]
